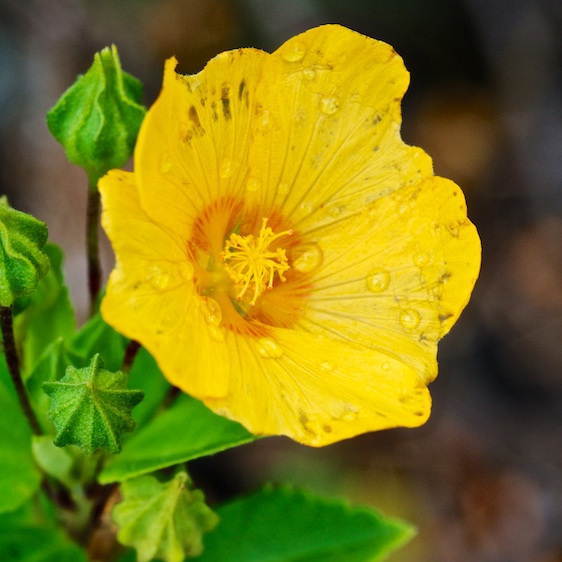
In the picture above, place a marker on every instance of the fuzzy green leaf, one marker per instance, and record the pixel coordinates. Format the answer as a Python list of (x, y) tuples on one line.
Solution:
[(163, 520), (19, 477), (287, 525), (98, 118), (186, 431), (22, 260), (91, 407), (45, 315)]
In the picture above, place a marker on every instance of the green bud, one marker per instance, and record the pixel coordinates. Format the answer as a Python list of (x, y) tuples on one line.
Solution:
[(22, 260), (91, 407), (98, 118)]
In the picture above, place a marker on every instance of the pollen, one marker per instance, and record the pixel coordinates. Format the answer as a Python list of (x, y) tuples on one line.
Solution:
[(252, 264)]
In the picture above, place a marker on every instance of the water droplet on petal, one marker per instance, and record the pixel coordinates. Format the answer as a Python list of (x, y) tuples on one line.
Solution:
[(187, 270), (263, 120), (422, 259), (283, 188), (378, 279), (329, 105), (350, 412), (158, 277), (216, 334), (309, 257), (212, 311), (327, 367), (226, 168), (410, 319), (253, 184), (386, 366), (294, 51), (165, 162), (309, 73), (268, 348)]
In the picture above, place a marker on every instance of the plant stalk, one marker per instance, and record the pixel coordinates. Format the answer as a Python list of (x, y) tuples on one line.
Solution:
[(12, 360), (92, 245)]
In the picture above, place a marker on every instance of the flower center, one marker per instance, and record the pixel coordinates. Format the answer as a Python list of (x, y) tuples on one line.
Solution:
[(250, 262)]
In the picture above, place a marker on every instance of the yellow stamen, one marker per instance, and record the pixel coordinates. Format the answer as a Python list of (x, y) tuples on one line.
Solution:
[(250, 263)]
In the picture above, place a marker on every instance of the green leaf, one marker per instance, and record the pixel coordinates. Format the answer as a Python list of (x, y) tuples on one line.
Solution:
[(19, 477), (286, 525), (22, 260), (186, 431), (26, 535), (91, 407), (165, 520), (51, 366), (45, 315), (146, 376), (54, 461), (96, 336), (98, 118)]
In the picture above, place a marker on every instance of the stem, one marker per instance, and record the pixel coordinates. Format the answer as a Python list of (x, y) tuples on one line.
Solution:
[(12, 360), (92, 245), (130, 354)]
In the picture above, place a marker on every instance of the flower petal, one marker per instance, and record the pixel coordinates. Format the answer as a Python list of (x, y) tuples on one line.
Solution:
[(326, 137), (194, 139), (151, 296), (397, 276), (318, 391)]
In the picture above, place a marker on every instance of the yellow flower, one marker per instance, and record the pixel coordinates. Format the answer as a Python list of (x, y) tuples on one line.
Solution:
[(285, 257)]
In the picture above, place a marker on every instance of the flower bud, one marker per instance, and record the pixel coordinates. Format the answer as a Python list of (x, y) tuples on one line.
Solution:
[(22, 260), (98, 118)]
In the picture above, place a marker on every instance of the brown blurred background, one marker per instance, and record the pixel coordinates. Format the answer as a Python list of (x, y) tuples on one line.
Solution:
[(482, 479)]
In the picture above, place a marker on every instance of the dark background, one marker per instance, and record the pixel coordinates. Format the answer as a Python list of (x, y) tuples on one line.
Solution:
[(482, 479)]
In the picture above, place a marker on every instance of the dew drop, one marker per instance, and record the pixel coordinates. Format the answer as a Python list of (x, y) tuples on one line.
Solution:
[(294, 52), (309, 73), (226, 168), (212, 312), (263, 120), (329, 105), (269, 348), (187, 270), (215, 333), (327, 367), (422, 259), (309, 258), (165, 162), (158, 277), (409, 319), (386, 366), (283, 188), (253, 184), (378, 279)]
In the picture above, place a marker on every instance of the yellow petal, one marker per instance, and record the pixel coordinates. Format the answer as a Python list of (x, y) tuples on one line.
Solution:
[(326, 137), (193, 143), (151, 296), (397, 276), (317, 390)]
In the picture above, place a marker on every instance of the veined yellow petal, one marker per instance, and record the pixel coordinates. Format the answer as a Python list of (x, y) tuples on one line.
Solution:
[(151, 295), (317, 390), (327, 128), (397, 276), (193, 144)]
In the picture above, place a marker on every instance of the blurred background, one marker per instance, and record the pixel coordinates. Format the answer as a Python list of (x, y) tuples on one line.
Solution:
[(482, 480)]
